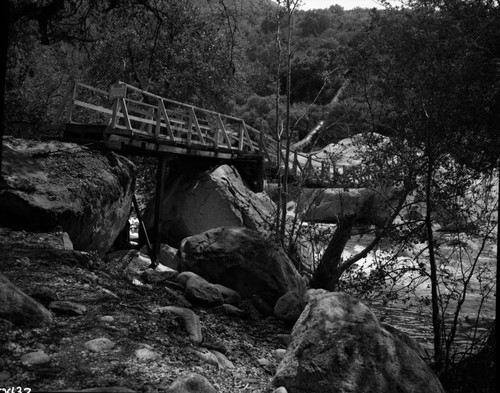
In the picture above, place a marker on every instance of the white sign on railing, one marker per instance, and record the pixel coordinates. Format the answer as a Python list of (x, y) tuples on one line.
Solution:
[(118, 90)]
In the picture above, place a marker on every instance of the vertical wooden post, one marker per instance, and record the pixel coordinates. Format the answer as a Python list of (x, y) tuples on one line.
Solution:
[(160, 187), (72, 105), (114, 116), (241, 142)]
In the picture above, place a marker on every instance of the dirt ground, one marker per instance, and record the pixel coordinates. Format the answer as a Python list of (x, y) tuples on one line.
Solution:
[(36, 263)]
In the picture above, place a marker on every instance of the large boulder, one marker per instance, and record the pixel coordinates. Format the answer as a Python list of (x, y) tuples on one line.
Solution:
[(198, 200), (243, 260), (338, 345), (19, 308), (54, 184), (327, 205)]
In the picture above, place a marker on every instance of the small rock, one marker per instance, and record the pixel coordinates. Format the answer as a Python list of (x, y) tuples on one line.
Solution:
[(191, 321), (264, 362), (184, 277), (200, 291), (289, 307), (216, 345), (99, 344), (205, 355), (230, 296), (44, 295), (279, 354), (229, 309), (67, 243), (180, 299), (160, 274), (64, 307), (147, 355), (267, 365), (108, 294), (191, 383), (37, 358), (107, 319), (174, 285), (281, 389), (222, 360)]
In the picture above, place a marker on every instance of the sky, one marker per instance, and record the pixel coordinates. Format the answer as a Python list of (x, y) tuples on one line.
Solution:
[(346, 4)]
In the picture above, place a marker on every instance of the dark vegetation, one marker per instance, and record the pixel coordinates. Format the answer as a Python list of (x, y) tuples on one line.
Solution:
[(427, 75)]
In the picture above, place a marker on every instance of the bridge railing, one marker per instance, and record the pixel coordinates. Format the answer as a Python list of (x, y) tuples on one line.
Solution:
[(84, 104), (138, 112), (128, 110)]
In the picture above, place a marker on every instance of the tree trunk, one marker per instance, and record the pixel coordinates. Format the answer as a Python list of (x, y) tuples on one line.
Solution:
[(327, 274), (308, 138), (5, 11), (436, 319), (288, 133)]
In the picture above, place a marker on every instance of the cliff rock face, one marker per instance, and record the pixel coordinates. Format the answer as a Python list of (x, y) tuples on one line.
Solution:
[(54, 184), (338, 345), (196, 201)]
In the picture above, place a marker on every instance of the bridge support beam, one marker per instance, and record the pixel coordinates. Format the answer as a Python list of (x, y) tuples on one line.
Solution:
[(160, 188)]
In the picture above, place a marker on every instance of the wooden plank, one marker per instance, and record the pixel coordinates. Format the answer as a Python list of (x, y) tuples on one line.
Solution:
[(223, 129), (125, 113), (245, 131), (96, 108), (240, 138), (163, 112), (92, 88), (73, 97), (193, 120), (216, 138), (114, 116), (189, 131)]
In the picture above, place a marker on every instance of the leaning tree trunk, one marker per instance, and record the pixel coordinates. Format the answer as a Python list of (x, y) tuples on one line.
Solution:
[(327, 274), (5, 11)]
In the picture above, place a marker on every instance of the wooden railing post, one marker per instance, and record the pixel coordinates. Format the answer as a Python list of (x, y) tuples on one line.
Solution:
[(240, 137), (162, 111), (114, 116), (216, 137), (193, 120), (73, 96), (247, 136), (126, 117)]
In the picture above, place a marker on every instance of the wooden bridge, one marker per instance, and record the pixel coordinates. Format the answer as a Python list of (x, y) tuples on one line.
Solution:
[(133, 121)]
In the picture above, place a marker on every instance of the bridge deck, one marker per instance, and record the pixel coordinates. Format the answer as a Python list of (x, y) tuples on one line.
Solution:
[(128, 119)]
